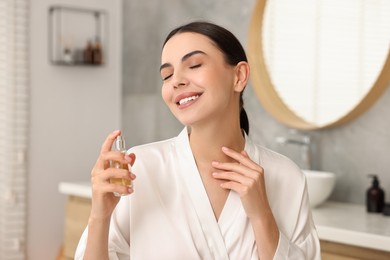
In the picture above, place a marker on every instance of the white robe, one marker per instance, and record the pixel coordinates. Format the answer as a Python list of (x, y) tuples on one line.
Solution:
[(169, 215)]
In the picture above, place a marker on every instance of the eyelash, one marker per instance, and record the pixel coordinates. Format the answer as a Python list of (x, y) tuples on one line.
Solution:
[(195, 66), (191, 67), (167, 77)]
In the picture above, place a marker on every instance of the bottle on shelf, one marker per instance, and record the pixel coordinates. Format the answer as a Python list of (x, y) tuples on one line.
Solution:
[(88, 53), (97, 52), (375, 196), (67, 55)]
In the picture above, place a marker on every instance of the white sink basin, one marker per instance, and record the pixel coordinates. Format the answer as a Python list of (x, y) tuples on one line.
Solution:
[(320, 185)]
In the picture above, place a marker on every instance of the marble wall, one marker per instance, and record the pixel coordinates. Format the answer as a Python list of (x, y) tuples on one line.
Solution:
[(351, 151)]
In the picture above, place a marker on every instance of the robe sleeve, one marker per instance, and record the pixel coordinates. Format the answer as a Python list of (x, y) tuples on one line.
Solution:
[(304, 243), (119, 233)]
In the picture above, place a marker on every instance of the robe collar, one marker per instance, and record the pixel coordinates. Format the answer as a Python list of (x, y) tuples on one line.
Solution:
[(213, 231)]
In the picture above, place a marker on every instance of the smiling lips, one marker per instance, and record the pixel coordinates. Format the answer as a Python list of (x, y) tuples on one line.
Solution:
[(186, 99)]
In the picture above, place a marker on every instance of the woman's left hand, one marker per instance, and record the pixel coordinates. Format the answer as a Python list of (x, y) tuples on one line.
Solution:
[(246, 178)]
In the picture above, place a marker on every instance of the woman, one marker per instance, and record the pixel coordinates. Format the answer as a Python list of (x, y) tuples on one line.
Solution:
[(209, 193)]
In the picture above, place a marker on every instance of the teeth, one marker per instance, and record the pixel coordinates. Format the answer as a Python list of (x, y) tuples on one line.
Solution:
[(185, 100)]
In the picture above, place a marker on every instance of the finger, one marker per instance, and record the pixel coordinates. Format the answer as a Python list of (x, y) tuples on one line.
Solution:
[(130, 158), (242, 158), (102, 181), (104, 159), (111, 173), (232, 176), (117, 157), (235, 167), (235, 186), (107, 144), (125, 159), (117, 188), (244, 153)]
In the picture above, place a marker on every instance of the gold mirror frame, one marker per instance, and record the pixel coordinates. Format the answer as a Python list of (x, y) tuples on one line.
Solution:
[(270, 99)]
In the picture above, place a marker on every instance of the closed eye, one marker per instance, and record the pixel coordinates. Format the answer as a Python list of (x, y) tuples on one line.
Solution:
[(195, 66), (167, 77)]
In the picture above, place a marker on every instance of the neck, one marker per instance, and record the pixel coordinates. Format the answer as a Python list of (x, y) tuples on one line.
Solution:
[(207, 141)]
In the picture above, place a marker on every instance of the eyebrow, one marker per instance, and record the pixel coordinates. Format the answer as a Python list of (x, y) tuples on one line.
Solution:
[(184, 58)]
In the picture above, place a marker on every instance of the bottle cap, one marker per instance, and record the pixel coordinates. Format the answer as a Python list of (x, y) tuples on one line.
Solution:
[(120, 143), (375, 181)]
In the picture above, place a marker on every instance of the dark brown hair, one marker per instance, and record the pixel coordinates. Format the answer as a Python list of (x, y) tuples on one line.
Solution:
[(229, 45)]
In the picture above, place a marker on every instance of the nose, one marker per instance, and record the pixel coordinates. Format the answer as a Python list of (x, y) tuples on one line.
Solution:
[(179, 80), (179, 84)]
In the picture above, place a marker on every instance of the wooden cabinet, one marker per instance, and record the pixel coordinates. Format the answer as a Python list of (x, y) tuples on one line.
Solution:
[(76, 219), (337, 251)]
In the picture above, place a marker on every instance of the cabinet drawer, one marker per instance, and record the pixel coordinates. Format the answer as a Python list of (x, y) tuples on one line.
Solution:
[(76, 219), (337, 251)]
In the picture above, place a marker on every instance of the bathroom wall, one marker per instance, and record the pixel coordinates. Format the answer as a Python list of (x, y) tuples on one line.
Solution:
[(351, 151), (73, 108)]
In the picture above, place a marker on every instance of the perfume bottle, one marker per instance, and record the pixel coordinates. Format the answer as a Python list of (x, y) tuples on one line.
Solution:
[(120, 145)]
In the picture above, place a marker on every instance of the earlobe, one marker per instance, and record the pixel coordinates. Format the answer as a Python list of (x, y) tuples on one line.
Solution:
[(242, 76)]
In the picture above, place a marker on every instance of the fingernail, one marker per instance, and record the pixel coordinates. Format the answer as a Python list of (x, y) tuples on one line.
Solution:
[(225, 148), (127, 158), (214, 173), (214, 163), (130, 190)]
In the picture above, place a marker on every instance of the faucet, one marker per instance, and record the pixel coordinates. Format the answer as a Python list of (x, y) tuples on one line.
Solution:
[(301, 140)]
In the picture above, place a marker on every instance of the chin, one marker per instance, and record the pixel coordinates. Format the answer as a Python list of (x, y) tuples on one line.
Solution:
[(186, 120)]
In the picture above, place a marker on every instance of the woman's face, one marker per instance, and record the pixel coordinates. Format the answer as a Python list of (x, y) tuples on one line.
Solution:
[(198, 85)]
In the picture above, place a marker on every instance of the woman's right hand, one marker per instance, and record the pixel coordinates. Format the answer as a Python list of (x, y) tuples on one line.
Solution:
[(103, 199)]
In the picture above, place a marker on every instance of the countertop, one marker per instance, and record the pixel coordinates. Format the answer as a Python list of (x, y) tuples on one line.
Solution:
[(79, 189), (335, 221), (351, 224)]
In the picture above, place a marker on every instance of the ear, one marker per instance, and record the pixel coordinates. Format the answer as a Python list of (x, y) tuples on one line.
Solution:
[(241, 76)]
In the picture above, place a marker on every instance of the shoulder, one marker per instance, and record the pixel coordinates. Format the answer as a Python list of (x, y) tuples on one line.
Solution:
[(154, 148), (284, 179), (153, 155), (276, 163)]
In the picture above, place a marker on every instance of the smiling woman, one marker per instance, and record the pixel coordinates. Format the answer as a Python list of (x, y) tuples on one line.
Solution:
[(319, 63), (202, 194)]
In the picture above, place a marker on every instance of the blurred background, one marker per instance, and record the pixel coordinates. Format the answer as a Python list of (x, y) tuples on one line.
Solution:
[(70, 102)]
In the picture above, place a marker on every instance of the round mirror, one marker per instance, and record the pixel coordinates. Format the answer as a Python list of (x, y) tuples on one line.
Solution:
[(318, 64)]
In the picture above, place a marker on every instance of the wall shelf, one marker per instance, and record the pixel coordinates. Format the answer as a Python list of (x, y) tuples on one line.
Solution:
[(77, 36)]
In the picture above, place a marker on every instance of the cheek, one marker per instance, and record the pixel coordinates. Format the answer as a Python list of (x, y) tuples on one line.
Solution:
[(166, 94), (217, 78)]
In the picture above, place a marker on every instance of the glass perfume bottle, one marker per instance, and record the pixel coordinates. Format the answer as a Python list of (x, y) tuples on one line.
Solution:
[(120, 146)]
